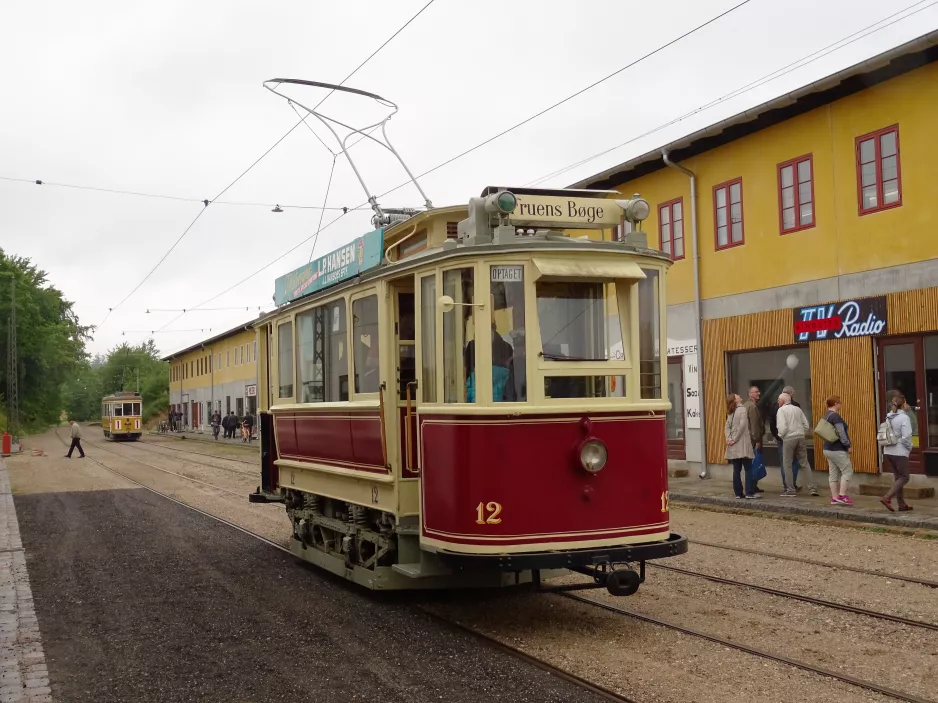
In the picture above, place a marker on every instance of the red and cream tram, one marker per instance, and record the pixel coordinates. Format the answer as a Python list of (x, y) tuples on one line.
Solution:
[(468, 399)]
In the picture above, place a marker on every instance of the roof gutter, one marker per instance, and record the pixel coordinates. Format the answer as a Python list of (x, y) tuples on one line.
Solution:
[(697, 316)]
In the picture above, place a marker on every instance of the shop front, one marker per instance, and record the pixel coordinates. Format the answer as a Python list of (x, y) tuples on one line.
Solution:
[(863, 350)]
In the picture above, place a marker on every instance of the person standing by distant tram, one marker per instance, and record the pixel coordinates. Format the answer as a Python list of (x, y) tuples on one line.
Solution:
[(739, 446), (76, 440)]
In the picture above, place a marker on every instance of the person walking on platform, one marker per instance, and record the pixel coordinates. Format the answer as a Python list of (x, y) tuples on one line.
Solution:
[(248, 426), (76, 440), (896, 456), (792, 429), (739, 446), (756, 431), (840, 469), (216, 423), (232, 424)]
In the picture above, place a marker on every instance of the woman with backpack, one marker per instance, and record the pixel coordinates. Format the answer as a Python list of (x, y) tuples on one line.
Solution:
[(895, 436), (739, 446), (837, 452)]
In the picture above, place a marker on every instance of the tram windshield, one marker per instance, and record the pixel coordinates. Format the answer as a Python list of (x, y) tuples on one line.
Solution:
[(578, 321)]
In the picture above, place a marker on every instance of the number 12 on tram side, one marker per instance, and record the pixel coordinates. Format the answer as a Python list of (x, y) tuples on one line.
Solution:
[(478, 404)]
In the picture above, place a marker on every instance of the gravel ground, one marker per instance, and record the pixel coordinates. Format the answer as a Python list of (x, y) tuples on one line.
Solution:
[(601, 646), (140, 599)]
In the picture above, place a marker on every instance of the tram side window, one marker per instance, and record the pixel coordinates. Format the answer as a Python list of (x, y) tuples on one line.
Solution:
[(365, 340), (649, 334), (458, 346), (428, 338), (323, 354), (509, 364), (285, 365)]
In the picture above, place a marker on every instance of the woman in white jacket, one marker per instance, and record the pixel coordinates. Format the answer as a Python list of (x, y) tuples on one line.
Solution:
[(739, 446), (896, 456)]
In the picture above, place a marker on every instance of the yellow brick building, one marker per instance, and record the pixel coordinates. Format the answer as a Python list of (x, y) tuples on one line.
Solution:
[(813, 212), (219, 373)]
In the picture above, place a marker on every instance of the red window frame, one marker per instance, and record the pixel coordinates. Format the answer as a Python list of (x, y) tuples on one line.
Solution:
[(798, 226), (670, 205), (729, 222), (878, 160)]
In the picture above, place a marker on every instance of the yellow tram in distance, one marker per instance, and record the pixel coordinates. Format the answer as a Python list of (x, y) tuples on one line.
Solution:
[(122, 416)]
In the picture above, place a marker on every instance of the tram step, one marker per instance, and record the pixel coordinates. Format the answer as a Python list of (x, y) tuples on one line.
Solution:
[(420, 571)]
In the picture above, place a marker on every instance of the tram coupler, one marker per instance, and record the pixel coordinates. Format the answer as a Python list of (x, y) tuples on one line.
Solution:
[(623, 581), (259, 496)]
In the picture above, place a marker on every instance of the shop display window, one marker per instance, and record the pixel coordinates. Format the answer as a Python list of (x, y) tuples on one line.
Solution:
[(772, 370)]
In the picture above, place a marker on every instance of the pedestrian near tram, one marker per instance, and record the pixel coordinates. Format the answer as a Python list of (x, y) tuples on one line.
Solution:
[(792, 428), (76, 440), (896, 456), (840, 469), (739, 446), (756, 432)]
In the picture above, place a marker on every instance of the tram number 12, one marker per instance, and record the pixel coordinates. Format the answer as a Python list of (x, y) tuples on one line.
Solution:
[(665, 502), (487, 513)]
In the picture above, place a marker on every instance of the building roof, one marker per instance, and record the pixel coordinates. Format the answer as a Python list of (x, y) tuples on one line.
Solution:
[(890, 64), (243, 327)]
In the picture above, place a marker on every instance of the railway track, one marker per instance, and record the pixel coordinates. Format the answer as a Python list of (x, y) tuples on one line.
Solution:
[(600, 691), (98, 445), (163, 445), (804, 666), (797, 596), (139, 446), (815, 562)]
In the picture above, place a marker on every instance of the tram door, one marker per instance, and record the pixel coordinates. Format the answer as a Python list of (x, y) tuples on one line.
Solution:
[(405, 329)]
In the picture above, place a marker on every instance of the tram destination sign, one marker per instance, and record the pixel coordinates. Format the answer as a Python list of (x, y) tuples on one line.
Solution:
[(587, 213), (359, 255), (863, 317)]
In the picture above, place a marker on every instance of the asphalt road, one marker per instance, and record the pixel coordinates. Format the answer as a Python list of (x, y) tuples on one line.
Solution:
[(140, 599)]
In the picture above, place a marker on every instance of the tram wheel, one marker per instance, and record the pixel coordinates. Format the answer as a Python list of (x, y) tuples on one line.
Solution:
[(623, 582)]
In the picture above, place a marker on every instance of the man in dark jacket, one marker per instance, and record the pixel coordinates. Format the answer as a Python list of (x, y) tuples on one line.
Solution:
[(756, 428), (225, 421)]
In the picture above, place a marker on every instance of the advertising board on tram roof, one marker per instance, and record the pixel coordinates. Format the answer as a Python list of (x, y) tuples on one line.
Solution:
[(360, 255)]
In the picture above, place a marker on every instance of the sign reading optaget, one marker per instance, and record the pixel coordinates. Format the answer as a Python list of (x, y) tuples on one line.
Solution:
[(864, 317), (588, 213), (359, 255)]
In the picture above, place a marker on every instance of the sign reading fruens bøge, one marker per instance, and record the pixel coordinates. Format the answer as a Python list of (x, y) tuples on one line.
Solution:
[(589, 213)]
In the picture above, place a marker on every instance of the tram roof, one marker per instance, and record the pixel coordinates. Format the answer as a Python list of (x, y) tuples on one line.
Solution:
[(122, 395), (877, 69)]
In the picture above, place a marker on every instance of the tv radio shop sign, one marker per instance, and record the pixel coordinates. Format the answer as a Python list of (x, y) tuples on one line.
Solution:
[(863, 317)]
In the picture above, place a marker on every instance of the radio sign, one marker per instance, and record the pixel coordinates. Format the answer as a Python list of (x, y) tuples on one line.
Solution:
[(588, 213), (864, 317)]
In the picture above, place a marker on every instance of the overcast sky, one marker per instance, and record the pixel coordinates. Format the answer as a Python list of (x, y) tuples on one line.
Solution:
[(166, 98)]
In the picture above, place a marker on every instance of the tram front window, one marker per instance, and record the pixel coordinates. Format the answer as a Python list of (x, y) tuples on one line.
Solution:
[(578, 322)]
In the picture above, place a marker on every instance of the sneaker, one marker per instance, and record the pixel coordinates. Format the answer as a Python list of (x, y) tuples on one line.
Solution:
[(739, 497), (904, 508), (846, 500), (755, 496), (836, 501), (888, 504), (789, 494), (814, 492)]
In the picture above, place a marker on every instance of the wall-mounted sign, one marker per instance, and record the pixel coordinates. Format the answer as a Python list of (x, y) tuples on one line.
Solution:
[(250, 391), (691, 396), (682, 347), (361, 254), (863, 317)]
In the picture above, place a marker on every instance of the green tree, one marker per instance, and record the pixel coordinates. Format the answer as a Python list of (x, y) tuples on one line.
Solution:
[(50, 340)]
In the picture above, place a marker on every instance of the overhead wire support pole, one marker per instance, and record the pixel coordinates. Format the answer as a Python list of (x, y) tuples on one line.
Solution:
[(13, 393)]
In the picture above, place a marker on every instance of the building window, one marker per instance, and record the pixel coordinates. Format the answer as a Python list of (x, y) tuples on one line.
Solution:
[(671, 228), (796, 194), (770, 371), (255, 351), (878, 179), (728, 213), (228, 357), (242, 354)]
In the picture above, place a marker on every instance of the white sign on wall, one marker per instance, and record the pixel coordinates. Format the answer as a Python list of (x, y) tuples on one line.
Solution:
[(691, 397)]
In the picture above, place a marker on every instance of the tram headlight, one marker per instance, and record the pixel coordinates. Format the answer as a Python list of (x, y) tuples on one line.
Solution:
[(501, 203), (593, 455), (636, 209)]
